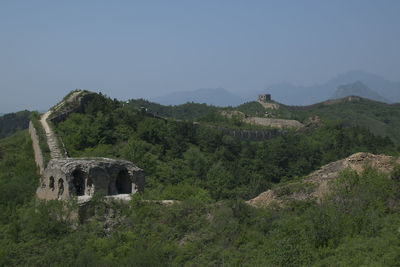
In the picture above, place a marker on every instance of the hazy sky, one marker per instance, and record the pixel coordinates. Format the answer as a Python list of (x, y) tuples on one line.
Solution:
[(131, 49)]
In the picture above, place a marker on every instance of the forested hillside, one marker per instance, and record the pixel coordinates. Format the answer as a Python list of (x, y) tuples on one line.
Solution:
[(380, 118), (181, 159), (355, 225), (181, 112), (13, 122), (211, 173)]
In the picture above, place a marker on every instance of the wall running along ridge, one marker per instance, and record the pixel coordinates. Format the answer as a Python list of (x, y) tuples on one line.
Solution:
[(64, 178), (36, 149)]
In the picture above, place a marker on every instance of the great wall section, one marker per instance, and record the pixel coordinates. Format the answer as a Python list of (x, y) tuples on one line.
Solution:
[(64, 178), (36, 148), (55, 152)]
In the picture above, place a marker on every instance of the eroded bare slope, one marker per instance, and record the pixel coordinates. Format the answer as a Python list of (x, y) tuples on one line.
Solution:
[(316, 185)]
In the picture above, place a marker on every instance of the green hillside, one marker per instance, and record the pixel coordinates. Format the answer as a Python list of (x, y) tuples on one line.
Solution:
[(177, 155), (380, 118), (188, 111), (211, 173), (13, 122)]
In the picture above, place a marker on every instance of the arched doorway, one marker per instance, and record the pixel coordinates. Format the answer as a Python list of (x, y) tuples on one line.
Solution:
[(60, 187), (89, 186), (78, 182), (123, 183), (51, 183)]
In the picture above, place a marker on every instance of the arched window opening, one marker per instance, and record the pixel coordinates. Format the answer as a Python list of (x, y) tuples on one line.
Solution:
[(89, 186), (60, 187), (89, 182), (78, 182), (123, 183), (51, 183), (110, 190)]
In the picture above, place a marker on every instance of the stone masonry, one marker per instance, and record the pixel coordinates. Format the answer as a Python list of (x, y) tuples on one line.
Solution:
[(82, 177), (65, 178)]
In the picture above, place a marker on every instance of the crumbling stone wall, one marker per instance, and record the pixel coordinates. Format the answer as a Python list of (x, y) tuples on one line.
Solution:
[(82, 177), (64, 178), (36, 148), (76, 106), (275, 123), (251, 135)]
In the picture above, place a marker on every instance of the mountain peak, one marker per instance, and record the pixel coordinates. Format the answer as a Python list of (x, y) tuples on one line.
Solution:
[(357, 88)]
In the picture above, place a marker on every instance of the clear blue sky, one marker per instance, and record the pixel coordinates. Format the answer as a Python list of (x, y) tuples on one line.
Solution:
[(131, 49)]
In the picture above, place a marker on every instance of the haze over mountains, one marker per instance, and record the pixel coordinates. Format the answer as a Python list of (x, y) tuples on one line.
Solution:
[(356, 82), (357, 89), (305, 95), (211, 96)]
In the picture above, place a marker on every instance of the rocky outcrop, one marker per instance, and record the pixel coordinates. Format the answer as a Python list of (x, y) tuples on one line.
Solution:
[(316, 185), (82, 177), (357, 162)]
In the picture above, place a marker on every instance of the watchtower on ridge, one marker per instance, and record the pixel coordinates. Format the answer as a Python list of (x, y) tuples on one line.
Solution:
[(264, 97)]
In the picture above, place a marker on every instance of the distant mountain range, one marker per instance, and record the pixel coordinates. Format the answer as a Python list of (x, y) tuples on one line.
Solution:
[(305, 95), (210, 96), (377, 88), (357, 89)]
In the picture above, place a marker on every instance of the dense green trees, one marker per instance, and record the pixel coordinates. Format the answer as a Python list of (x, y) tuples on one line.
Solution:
[(380, 118), (18, 172), (210, 173), (188, 111), (13, 122), (180, 152), (357, 224)]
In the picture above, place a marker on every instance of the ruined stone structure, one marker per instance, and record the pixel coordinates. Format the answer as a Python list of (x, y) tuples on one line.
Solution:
[(62, 110), (250, 135), (81, 177), (36, 149), (65, 178), (264, 97)]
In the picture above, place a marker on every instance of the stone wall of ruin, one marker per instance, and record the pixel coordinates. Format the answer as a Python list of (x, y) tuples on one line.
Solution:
[(36, 148)]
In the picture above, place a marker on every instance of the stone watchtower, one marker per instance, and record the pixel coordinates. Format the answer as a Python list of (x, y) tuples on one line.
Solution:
[(75, 177), (264, 97)]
